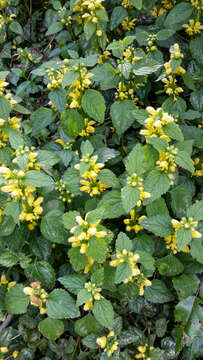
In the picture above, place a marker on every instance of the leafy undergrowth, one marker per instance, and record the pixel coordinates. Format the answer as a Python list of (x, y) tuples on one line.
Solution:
[(101, 179)]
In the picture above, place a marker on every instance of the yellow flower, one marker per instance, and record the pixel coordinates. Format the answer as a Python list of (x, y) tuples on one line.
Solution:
[(194, 27), (89, 129), (4, 280), (3, 349), (15, 354), (132, 222), (102, 341)]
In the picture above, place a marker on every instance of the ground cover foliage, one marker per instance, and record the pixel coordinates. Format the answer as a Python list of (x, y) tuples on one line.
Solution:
[(101, 179)]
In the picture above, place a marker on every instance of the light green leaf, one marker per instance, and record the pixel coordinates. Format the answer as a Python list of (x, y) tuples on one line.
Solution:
[(179, 14), (54, 28), (135, 161), (94, 105), (77, 260), (74, 283), (122, 115), (183, 309), (87, 325), (159, 225), (169, 266), (16, 302), (185, 285), (97, 249), (196, 211), (37, 178), (184, 237), (89, 29), (8, 259), (164, 34), (183, 159), (52, 227), (5, 108), (157, 183), (16, 28), (181, 199), (158, 292), (118, 15), (123, 271), (130, 196), (72, 122), (123, 242), (41, 271), (40, 119), (60, 305), (173, 131), (51, 329), (103, 312), (69, 219)]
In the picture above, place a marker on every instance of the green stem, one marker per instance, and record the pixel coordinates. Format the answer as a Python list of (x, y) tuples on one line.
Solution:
[(74, 351)]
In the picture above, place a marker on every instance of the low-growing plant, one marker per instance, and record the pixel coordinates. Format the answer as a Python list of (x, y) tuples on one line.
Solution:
[(101, 169)]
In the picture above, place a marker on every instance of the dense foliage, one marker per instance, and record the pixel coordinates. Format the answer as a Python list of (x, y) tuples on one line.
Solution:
[(101, 169)]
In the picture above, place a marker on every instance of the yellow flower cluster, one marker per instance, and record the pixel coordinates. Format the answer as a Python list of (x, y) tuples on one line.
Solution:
[(88, 12), (127, 4), (133, 222), (127, 257), (166, 162), (66, 146), (150, 43), (128, 24), (198, 167), (66, 21), (155, 123), (38, 296), (31, 156), (92, 185), (31, 210), (56, 76), (198, 4), (4, 281), (128, 55), (165, 5), (66, 195), (123, 93), (108, 343), (3, 85), (170, 86), (105, 56), (83, 232), (190, 223), (3, 4), (193, 28), (144, 352), (14, 186), (77, 87), (95, 295), (89, 129), (14, 123), (136, 181)]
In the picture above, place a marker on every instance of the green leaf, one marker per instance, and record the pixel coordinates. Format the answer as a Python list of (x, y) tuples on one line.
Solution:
[(87, 325), (5, 108), (164, 34), (159, 225), (40, 119), (106, 75), (77, 260), (123, 242), (15, 138), (60, 305), (145, 259), (37, 178), (69, 219), (122, 115), (158, 143), (103, 312), (16, 28), (196, 99), (196, 250), (41, 271), (97, 249), (71, 178), (70, 77), (169, 266), (47, 159), (123, 271), (175, 108), (54, 28), (89, 29), (137, 4), (98, 277), (157, 183), (184, 237), (111, 202), (173, 131), (185, 285), (108, 178), (183, 309), (7, 226), (51, 329), (58, 98), (52, 227), (195, 46), (178, 15), (74, 283), (72, 122), (13, 209), (135, 161), (118, 15), (94, 105), (161, 327), (140, 115), (130, 196), (188, 81), (183, 159), (158, 292), (82, 297), (157, 207), (181, 199), (8, 259), (16, 301)]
